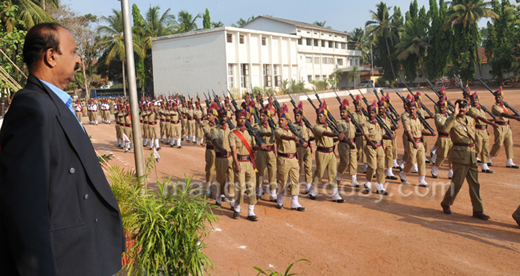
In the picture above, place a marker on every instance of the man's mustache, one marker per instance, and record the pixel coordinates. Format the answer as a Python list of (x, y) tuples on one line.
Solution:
[(76, 67)]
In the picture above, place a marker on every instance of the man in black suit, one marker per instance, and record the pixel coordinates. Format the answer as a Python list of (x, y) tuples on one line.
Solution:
[(58, 215)]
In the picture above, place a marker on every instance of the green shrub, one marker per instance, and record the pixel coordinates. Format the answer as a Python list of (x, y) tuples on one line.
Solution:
[(274, 273)]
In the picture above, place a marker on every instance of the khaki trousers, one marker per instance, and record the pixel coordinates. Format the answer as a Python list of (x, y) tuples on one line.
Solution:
[(210, 165), (470, 173), (153, 131), (376, 163), (245, 183), (175, 130), (443, 149), (482, 145), (288, 170), (389, 153), (503, 136), (326, 160), (305, 162), (416, 156), (347, 159), (225, 175), (266, 160)]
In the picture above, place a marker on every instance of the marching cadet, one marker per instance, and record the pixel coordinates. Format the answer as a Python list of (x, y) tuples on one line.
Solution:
[(394, 141), (360, 140), (242, 145), (422, 112), (287, 161), (325, 157), (404, 117), (503, 133), (153, 128), (128, 128), (184, 119), (482, 136), (388, 144), (415, 131), (347, 154), (146, 127), (374, 151), (210, 149), (224, 158), (94, 109), (167, 122), (191, 122), (304, 153), (266, 159), (198, 116), (163, 124), (119, 118), (464, 160), (443, 143), (175, 127), (78, 108)]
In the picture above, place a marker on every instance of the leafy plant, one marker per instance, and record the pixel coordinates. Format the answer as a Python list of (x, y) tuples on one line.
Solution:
[(105, 158), (274, 273)]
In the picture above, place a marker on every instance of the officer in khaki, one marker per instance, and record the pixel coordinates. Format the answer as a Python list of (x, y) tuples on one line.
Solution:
[(287, 161), (464, 159), (360, 119), (175, 126), (503, 133), (210, 155), (266, 159), (406, 146), (388, 144), (153, 127), (128, 128), (325, 157), (242, 146), (423, 113), (443, 143), (482, 136), (304, 153), (199, 124), (347, 155), (162, 122), (184, 121), (191, 122)]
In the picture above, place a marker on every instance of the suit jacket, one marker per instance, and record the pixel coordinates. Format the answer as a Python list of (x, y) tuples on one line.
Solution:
[(58, 215)]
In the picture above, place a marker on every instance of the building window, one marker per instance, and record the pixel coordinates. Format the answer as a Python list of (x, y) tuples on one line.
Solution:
[(277, 77), (324, 77), (316, 43), (340, 61), (264, 42), (316, 60), (309, 42), (308, 59), (323, 43), (268, 78), (330, 61), (244, 82), (330, 44), (299, 41), (343, 45), (324, 60), (309, 78), (241, 39), (231, 75), (336, 45), (317, 77), (229, 38)]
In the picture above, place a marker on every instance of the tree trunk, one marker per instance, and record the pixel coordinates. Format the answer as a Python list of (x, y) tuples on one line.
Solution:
[(389, 59), (85, 80), (476, 50), (124, 78)]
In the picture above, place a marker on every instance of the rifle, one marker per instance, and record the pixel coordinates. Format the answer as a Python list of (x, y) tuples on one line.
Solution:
[(291, 126), (451, 107), (329, 123), (447, 111), (250, 128), (423, 121), (505, 103), (331, 118), (392, 109), (349, 114), (305, 121), (362, 108), (378, 118), (387, 112), (481, 105), (422, 105), (269, 120)]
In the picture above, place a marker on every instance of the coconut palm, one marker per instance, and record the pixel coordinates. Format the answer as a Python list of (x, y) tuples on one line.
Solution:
[(468, 13), (186, 22), (28, 11), (413, 41), (113, 41), (217, 24), (381, 27), (354, 74), (155, 25), (321, 24), (359, 41)]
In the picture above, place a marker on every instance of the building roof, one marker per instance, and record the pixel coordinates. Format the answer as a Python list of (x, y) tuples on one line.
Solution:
[(296, 24)]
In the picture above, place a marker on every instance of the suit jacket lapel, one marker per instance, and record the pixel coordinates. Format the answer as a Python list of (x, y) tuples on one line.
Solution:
[(81, 144)]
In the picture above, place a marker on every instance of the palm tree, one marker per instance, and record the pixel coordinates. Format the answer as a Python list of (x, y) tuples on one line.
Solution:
[(113, 41), (28, 11), (359, 41), (413, 42), (321, 24), (468, 13), (155, 25), (381, 27), (217, 24), (353, 75), (186, 22)]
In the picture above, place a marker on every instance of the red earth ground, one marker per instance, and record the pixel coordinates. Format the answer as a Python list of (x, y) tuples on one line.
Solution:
[(404, 233)]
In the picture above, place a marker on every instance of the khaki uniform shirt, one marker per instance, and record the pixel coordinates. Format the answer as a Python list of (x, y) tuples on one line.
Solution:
[(206, 128), (347, 128), (174, 116), (360, 118), (440, 121), (321, 140), (462, 131), (235, 141), (373, 131), (269, 140), (498, 109), (475, 112), (282, 145), (222, 136), (415, 126), (302, 130)]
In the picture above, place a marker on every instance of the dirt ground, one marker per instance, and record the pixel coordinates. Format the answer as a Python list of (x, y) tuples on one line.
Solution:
[(404, 233)]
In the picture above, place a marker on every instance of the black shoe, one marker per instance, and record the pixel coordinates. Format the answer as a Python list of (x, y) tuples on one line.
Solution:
[(218, 204), (158, 149), (488, 171), (367, 191), (446, 209), (435, 176), (427, 161), (479, 161), (481, 215), (338, 200), (424, 185), (450, 177), (278, 206), (517, 221), (236, 215), (382, 192), (252, 218), (512, 166), (490, 164), (391, 177), (404, 182), (171, 145), (313, 197), (273, 200), (225, 199), (301, 209)]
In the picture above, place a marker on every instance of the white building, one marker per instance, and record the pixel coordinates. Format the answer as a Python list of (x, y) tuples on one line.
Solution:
[(263, 53)]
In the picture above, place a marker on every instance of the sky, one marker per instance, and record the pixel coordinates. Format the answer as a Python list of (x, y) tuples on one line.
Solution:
[(341, 15)]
